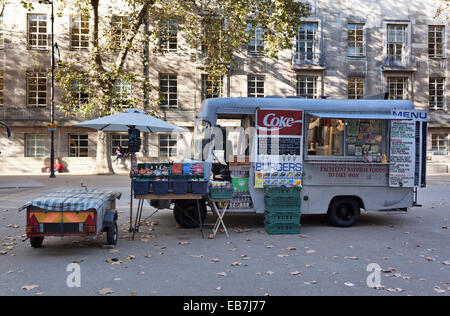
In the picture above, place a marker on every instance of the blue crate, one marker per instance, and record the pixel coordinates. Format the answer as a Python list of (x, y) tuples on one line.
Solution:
[(141, 187), (199, 187), (179, 186), (160, 187)]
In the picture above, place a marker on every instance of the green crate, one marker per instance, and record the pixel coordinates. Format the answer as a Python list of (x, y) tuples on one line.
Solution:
[(282, 191), (281, 202), (282, 217), (222, 194), (282, 228)]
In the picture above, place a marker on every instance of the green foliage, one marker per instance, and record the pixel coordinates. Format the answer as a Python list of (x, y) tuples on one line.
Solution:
[(219, 29)]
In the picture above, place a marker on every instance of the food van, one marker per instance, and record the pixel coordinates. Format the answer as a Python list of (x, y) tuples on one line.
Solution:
[(346, 155)]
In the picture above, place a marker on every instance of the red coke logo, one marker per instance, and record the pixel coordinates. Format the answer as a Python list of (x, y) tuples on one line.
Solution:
[(282, 122)]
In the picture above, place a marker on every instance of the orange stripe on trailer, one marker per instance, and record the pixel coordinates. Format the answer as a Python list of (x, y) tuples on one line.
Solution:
[(55, 217)]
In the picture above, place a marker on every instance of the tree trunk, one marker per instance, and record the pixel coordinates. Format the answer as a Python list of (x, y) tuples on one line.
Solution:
[(103, 162)]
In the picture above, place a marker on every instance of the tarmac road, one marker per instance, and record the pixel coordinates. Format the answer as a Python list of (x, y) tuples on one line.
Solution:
[(412, 249)]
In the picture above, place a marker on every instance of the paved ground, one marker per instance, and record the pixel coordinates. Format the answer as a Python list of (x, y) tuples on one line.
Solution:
[(412, 249)]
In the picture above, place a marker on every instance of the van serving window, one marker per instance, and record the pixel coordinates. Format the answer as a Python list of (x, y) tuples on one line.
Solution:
[(345, 137)]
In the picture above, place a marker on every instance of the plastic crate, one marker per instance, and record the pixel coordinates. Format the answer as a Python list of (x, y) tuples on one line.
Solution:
[(179, 186), (160, 187), (221, 194), (287, 217), (141, 187), (282, 198), (282, 228), (199, 187)]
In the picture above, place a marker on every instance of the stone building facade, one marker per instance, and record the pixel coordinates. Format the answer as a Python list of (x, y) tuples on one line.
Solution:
[(344, 49)]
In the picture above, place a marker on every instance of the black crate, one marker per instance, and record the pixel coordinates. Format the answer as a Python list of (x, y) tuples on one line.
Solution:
[(160, 187), (179, 186)]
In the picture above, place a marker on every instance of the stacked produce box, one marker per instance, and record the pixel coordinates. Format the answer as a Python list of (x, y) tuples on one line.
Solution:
[(282, 210), (164, 178)]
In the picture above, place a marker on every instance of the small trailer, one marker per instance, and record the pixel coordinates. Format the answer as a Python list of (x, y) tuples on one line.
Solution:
[(346, 155), (79, 212)]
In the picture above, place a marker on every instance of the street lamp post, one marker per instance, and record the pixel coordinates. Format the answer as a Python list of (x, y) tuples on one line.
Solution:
[(52, 90)]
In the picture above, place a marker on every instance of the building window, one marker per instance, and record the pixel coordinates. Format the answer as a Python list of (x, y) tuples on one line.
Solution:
[(2, 33), (119, 27), (255, 86), (396, 41), (355, 36), (355, 87), (439, 144), (436, 93), (256, 44), (79, 32), (168, 93), (119, 140), (1, 88), (34, 145), (79, 91), (307, 87), (307, 42), (168, 31), (435, 41), (167, 146), (122, 92), (398, 88), (37, 31), (37, 88), (211, 87), (78, 145)]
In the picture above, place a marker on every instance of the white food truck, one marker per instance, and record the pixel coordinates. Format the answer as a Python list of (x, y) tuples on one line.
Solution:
[(346, 155)]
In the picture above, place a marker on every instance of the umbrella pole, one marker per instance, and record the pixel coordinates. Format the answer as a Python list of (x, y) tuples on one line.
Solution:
[(131, 195)]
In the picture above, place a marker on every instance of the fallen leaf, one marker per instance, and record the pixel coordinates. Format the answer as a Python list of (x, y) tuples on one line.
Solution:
[(3, 252), (105, 291), (77, 261), (291, 248), (295, 273), (29, 287), (351, 258), (270, 246), (349, 284), (282, 255), (183, 243), (113, 261), (429, 259), (222, 274), (303, 236), (130, 257), (114, 251), (310, 251), (215, 260), (308, 265), (447, 263), (270, 272), (13, 225), (218, 288), (147, 256), (234, 264), (211, 236), (437, 289)]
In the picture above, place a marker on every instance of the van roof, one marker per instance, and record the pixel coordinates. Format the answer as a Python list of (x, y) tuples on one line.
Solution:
[(212, 107)]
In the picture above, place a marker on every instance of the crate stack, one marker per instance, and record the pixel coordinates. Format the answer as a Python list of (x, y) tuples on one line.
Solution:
[(282, 210)]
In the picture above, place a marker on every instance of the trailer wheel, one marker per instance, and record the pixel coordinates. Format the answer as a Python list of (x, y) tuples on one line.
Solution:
[(36, 242), (343, 212), (111, 234), (183, 212)]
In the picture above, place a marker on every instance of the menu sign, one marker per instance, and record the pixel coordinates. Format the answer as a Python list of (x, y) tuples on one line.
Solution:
[(279, 142), (404, 150)]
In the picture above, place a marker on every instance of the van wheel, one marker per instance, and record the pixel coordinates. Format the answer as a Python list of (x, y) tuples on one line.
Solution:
[(344, 212), (36, 242), (186, 213)]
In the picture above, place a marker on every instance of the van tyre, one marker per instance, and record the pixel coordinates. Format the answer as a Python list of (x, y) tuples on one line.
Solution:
[(183, 212), (344, 212), (36, 242), (112, 234)]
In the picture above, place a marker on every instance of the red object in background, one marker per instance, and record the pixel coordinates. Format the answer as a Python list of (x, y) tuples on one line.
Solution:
[(279, 122), (197, 169), (59, 167), (177, 168)]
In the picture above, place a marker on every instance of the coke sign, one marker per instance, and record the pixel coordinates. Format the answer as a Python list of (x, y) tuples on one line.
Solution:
[(279, 122)]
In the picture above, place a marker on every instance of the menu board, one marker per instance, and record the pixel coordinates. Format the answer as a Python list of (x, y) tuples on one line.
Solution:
[(403, 152), (282, 146), (406, 148)]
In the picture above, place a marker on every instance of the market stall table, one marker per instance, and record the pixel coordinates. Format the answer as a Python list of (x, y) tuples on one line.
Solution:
[(170, 196)]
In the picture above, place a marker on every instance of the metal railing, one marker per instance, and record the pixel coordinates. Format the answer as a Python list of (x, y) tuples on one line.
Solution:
[(307, 58), (400, 60)]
